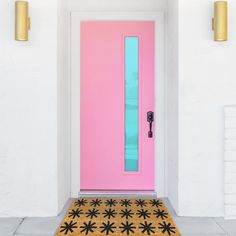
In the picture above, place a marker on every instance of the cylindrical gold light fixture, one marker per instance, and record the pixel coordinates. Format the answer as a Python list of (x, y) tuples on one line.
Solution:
[(22, 21), (220, 21)]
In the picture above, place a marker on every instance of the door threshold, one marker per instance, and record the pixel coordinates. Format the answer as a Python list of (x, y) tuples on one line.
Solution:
[(118, 194)]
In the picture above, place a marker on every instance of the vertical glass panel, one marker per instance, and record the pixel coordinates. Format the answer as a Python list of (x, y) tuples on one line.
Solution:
[(131, 103)]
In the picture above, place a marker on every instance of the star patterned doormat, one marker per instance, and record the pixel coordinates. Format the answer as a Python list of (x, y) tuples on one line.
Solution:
[(117, 217)]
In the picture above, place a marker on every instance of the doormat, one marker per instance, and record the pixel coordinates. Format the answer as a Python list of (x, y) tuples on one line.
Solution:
[(117, 217)]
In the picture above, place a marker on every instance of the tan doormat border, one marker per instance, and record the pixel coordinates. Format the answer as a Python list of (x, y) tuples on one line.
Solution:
[(117, 217)]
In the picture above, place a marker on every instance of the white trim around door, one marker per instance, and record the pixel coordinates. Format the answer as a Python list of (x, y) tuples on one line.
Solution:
[(76, 18)]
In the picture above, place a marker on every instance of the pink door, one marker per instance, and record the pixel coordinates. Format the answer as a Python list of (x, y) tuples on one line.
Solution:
[(117, 101)]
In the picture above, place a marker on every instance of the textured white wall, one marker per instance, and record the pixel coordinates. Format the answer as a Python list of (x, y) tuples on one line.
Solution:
[(117, 5), (63, 105), (206, 83), (28, 113), (172, 93)]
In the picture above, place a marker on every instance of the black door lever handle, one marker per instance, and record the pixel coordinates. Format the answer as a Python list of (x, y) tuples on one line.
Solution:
[(150, 119)]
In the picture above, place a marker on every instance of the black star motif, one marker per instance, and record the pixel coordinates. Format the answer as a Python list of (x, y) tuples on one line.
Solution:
[(127, 227), (88, 227), (126, 213), (143, 213), (80, 202), (125, 203), (92, 213), (96, 202), (156, 203), (140, 202), (147, 228), (107, 227), (109, 213), (68, 227), (166, 228), (75, 213), (110, 202), (158, 213)]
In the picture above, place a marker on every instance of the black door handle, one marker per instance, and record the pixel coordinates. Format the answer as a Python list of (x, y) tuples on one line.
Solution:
[(150, 119)]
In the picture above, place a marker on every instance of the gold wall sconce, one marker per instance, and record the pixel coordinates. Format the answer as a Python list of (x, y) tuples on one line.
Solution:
[(220, 21), (22, 21)]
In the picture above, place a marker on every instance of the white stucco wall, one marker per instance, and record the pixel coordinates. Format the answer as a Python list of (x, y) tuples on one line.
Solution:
[(28, 113), (206, 83), (117, 5), (63, 166), (172, 97)]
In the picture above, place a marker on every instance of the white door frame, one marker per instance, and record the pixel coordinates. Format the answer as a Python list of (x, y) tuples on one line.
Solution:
[(75, 19)]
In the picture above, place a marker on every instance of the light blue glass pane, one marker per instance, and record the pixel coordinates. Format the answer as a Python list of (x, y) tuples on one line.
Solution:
[(131, 103)]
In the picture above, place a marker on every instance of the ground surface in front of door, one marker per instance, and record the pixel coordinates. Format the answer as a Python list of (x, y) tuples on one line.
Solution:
[(117, 217)]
